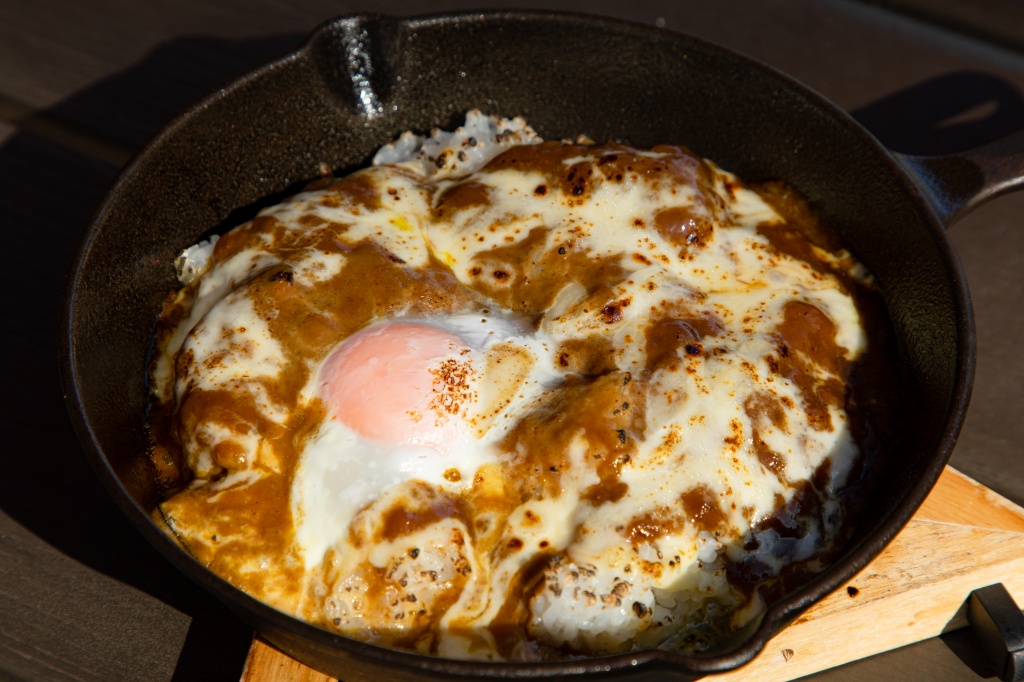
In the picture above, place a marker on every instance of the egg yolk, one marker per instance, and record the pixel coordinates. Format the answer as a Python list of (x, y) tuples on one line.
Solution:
[(401, 383)]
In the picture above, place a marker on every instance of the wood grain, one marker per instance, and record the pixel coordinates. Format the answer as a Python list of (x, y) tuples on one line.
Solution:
[(267, 664), (964, 537), (959, 499)]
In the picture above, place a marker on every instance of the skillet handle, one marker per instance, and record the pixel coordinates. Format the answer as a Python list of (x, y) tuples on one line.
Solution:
[(959, 183)]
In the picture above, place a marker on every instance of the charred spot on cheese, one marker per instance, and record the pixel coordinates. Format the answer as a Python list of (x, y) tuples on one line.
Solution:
[(612, 312)]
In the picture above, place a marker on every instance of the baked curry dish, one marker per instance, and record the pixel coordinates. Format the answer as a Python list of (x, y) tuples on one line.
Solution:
[(501, 398)]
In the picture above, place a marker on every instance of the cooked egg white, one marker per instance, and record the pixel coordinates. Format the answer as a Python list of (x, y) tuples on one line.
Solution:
[(341, 470)]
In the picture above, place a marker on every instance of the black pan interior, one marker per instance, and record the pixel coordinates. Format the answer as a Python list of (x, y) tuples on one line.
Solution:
[(359, 82)]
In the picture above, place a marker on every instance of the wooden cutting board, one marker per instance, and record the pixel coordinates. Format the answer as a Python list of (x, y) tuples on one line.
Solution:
[(963, 537)]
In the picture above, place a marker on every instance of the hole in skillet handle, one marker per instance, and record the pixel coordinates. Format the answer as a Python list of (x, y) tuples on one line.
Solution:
[(998, 625)]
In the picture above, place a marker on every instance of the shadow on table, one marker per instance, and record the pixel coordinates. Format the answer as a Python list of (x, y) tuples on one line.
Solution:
[(51, 181), (947, 114), (53, 173)]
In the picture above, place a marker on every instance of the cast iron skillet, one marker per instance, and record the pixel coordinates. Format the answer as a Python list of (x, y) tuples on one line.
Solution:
[(360, 80)]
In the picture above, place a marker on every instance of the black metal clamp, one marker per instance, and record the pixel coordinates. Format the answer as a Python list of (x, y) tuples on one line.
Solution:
[(998, 625)]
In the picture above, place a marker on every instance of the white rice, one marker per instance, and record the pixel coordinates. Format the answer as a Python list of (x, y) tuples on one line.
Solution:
[(195, 260), (465, 150)]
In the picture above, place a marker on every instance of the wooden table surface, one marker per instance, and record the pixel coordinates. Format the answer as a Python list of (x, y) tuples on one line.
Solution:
[(84, 84)]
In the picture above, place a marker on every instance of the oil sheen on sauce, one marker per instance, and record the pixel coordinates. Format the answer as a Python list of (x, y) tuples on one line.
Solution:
[(697, 381)]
